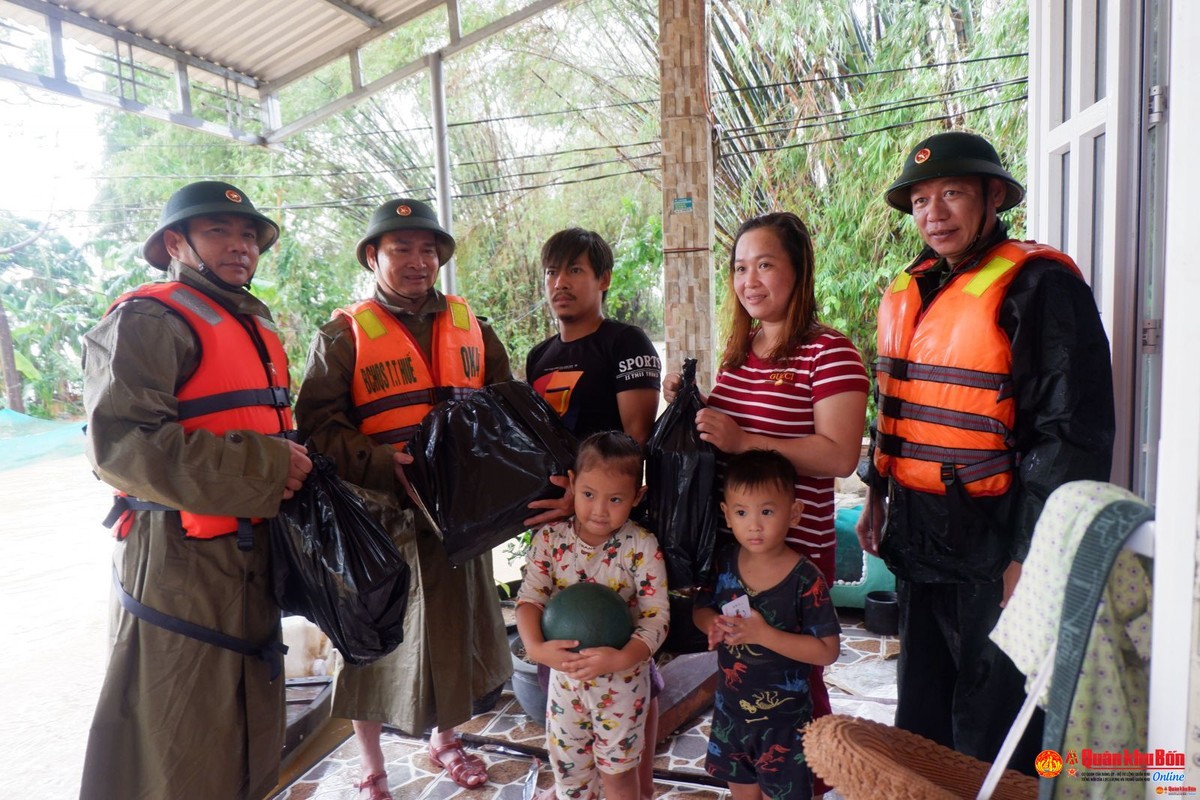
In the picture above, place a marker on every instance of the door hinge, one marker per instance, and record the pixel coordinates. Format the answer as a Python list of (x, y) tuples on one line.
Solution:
[(1151, 335), (1157, 107)]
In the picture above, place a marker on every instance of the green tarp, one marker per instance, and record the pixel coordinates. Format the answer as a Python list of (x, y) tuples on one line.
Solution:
[(25, 439)]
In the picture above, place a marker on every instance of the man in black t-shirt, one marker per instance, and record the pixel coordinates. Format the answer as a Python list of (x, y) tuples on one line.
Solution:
[(598, 374)]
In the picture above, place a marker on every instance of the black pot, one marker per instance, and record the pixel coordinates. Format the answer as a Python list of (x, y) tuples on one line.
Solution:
[(526, 688), (881, 613)]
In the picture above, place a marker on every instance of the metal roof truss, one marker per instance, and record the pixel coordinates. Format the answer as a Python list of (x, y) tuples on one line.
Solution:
[(155, 78)]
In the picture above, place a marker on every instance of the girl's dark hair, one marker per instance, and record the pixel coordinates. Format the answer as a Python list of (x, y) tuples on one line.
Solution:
[(567, 245), (613, 450), (754, 468), (802, 322)]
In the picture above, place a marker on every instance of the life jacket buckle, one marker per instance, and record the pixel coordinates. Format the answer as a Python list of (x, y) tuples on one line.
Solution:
[(280, 398), (949, 474)]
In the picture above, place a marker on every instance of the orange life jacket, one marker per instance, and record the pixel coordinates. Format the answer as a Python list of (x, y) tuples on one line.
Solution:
[(946, 407), (394, 386), (241, 383)]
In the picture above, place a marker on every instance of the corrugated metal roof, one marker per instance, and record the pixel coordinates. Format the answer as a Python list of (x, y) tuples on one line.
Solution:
[(147, 56), (266, 40)]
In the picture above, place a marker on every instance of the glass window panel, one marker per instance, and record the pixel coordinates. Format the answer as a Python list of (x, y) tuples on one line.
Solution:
[(1067, 66), (1098, 144), (1064, 193), (1101, 50)]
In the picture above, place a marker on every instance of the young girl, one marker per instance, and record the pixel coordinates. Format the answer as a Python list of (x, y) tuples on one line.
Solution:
[(769, 610), (597, 697)]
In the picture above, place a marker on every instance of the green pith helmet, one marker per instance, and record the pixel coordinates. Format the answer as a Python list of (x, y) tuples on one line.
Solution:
[(406, 214), (949, 155), (205, 199)]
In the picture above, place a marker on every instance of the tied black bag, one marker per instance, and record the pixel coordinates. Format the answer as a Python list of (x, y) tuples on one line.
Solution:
[(479, 462), (333, 563), (681, 506), (681, 487)]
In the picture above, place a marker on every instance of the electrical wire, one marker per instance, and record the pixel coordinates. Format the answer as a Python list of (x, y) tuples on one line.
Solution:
[(834, 117), (907, 124), (368, 172), (362, 201), (871, 73), (558, 183), (579, 110)]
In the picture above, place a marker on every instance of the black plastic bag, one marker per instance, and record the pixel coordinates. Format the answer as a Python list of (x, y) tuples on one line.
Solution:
[(333, 563), (681, 488), (480, 461)]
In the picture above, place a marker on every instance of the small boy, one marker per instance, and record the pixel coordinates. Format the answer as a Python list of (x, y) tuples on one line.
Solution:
[(769, 608), (597, 697)]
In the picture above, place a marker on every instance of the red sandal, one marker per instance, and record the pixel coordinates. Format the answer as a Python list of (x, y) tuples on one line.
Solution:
[(468, 770), (377, 785)]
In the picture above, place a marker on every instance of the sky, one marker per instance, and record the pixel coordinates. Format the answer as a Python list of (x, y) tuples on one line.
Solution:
[(49, 153)]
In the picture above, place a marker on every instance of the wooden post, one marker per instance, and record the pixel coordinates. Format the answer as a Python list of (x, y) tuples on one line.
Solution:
[(687, 186)]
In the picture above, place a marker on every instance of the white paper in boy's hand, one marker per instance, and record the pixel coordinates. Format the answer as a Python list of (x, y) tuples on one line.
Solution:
[(737, 607)]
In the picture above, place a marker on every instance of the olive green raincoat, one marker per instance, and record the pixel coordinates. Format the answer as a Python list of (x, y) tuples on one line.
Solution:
[(176, 717), (454, 648)]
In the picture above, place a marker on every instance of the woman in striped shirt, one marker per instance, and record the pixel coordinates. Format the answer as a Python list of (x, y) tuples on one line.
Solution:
[(787, 382)]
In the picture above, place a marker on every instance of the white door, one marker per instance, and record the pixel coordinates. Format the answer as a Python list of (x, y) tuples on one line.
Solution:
[(1085, 103), (1107, 78)]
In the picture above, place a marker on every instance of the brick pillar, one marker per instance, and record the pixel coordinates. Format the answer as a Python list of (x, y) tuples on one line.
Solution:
[(687, 186)]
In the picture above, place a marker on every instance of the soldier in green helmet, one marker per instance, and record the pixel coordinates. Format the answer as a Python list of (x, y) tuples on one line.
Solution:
[(993, 388), (374, 371), (187, 399)]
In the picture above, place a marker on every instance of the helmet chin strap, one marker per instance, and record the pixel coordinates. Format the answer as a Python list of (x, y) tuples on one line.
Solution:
[(203, 269), (983, 217)]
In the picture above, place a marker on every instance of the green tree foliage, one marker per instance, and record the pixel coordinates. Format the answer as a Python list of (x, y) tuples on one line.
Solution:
[(819, 102), (555, 123), (45, 309)]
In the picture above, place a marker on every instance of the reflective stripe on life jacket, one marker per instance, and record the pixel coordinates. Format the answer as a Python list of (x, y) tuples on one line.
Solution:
[(394, 386), (240, 384), (946, 407)]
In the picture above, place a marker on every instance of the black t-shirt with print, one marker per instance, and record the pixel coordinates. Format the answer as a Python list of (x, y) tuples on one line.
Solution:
[(581, 379)]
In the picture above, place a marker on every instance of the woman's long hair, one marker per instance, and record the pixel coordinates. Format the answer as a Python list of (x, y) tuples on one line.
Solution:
[(801, 323)]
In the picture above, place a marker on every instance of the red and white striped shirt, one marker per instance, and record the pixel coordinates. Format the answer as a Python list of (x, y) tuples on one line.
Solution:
[(776, 399)]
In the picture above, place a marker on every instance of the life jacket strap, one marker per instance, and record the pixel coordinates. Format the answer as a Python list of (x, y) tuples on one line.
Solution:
[(895, 408), (245, 534), (123, 503), (431, 396), (964, 464), (273, 397), (903, 370), (271, 652), (997, 465), (395, 435)]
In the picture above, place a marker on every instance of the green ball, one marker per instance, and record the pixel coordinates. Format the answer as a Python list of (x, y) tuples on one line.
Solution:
[(591, 613)]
